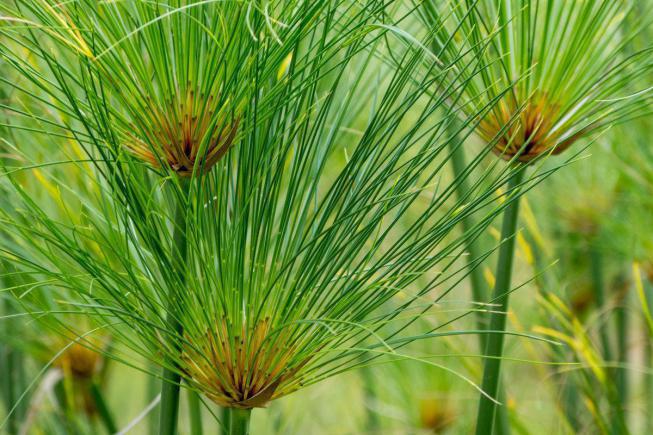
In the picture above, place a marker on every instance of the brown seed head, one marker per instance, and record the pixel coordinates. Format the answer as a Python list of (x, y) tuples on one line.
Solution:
[(183, 131), (582, 299), (435, 415), (246, 371), (80, 361), (524, 127)]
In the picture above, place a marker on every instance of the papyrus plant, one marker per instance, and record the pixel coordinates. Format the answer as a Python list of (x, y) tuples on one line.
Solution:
[(262, 184), (558, 71)]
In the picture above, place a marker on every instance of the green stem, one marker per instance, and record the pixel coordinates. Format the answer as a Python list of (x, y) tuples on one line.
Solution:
[(10, 385), (12, 364), (617, 418), (103, 409), (596, 264), (372, 419), (153, 388), (621, 318), (169, 410), (648, 362), (472, 248), (226, 421), (195, 410), (571, 399), (570, 392), (474, 253), (239, 421), (62, 392), (501, 418), (494, 342)]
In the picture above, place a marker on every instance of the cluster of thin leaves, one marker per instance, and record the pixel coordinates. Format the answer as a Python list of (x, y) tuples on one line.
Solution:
[(557, 70)]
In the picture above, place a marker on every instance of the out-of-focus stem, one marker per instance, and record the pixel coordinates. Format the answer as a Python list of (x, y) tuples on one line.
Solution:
[(372, 420), (226, 421), (103, 409), (153, 388), (648, 363), (11, 368), (621, 318), (10, 388), (596, 264), (570, 394), (472, 248)]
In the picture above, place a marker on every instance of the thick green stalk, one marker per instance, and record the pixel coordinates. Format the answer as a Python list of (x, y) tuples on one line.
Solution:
[(501, 418), (239, 421), (195, 411), (103, 409), (494, 342), (169, 410), (474, 252), (226, 421), (153, 389)]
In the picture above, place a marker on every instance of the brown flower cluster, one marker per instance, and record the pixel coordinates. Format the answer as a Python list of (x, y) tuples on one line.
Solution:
[(245, 371), (525, 127), (183, 132)]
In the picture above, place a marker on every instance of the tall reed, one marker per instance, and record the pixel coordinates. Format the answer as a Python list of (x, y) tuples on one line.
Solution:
[(568, 75)]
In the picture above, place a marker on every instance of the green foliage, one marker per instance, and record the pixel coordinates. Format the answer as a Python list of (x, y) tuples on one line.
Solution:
[(259, 195), (329, 202)]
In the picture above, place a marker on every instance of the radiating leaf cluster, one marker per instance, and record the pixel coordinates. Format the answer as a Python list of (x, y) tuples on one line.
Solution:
[(557, 70)]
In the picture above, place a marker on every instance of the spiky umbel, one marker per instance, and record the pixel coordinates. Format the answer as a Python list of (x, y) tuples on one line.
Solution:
[(245, 371), (524, 128), (541, 93), (141, 94), (187, 133)]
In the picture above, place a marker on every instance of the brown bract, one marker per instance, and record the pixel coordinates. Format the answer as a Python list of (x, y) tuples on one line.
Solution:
[(435, 415), (246, 371), (183, 132), (524, 127), (80, 361), (582, 299)]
